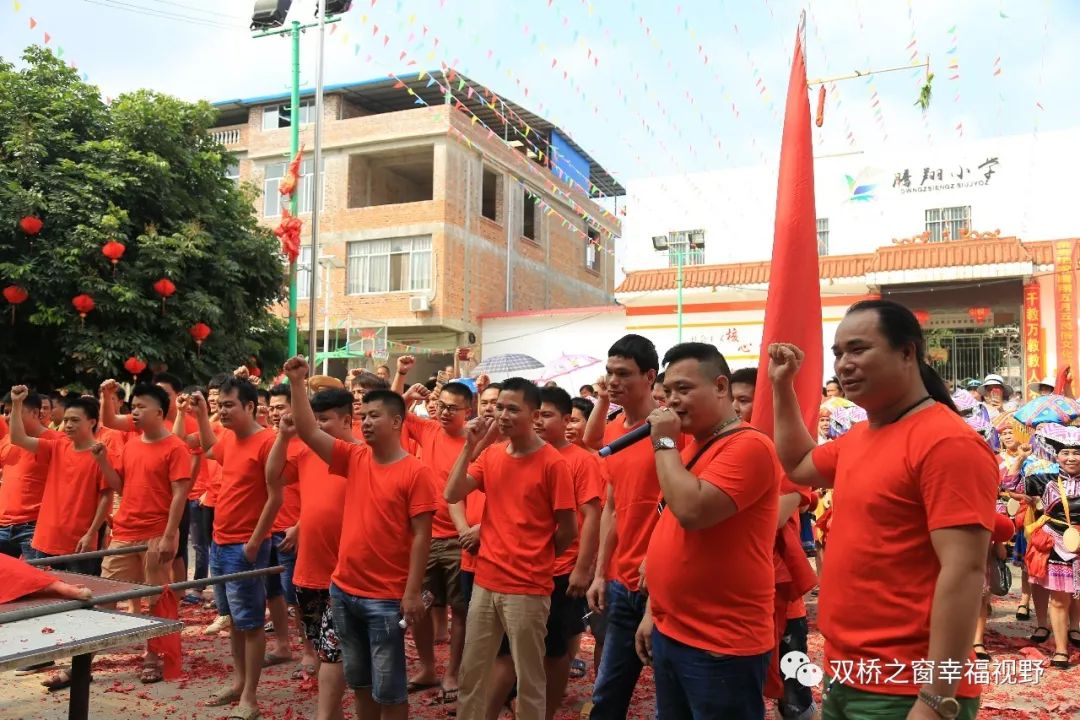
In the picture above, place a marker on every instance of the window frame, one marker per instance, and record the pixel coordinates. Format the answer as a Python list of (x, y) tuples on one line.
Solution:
[(822, 236), (935, 226), (409, 281)]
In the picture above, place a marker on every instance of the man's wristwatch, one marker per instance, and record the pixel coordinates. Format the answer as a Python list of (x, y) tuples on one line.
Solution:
[(664, 443), (944, 706)]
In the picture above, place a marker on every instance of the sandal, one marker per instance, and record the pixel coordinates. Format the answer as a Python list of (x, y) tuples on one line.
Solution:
[(1040, 635), (59, 681), (448, 696), (981, 654), (414, 686), (1059, 664), (1074, 638), (1023, 612), (578, 668), (151, 674), (244, 713), (272, 660), (225, 697)]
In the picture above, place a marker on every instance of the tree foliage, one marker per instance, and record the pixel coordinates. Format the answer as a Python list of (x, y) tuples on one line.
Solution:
[(144, 171)]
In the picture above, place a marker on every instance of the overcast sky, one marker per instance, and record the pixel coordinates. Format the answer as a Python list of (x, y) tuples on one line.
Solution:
[(637, 92)]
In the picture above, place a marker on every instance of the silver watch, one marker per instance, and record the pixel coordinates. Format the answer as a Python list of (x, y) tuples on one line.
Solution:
[(664, 443)]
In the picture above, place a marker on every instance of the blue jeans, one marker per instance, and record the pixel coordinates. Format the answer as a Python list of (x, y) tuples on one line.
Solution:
[(15, 539), (244, 600), (620, 666), (694, 683), (372, 645), (202, 523), (277, 585)]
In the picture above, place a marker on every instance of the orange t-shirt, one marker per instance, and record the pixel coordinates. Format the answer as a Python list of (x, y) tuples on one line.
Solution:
[(376, 533), (213, 469), (474, 513), (289, 514), (72, 488), (439, 451), (893, 486), (23, 481), (637, 491), (3, 427), (517, 531), (242, 494), (796, 608), (588, 484), (149, 470), (729, 612), (322, 509), (113, 440)]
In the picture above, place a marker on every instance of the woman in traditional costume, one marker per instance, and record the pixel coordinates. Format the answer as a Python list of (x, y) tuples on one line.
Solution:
[(1012, 500), (1054, 539)]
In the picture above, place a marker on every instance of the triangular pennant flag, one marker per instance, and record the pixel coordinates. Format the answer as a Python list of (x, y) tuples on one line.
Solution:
[(48, 37), (33, 23)]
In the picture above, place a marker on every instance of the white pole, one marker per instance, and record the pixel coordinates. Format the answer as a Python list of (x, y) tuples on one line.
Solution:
[(326, 319), (317, 177)]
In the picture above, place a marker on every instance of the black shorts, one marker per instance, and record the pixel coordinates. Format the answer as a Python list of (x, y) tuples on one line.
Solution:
[(564, 621)]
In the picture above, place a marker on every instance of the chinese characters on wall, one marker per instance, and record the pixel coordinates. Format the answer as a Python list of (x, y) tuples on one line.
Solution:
[(1065, 303), (931, 179)]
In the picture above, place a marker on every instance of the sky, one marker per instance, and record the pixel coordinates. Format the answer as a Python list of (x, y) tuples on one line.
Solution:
[(648, 88)]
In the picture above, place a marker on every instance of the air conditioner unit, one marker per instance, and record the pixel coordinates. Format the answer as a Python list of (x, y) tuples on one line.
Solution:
[(419, 304)]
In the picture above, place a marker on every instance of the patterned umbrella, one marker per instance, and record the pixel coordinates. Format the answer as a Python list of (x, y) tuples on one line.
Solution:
[(508, 363), (1049, 408), (566, 364)]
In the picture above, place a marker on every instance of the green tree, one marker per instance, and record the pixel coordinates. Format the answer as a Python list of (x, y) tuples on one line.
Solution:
[(145, 172)]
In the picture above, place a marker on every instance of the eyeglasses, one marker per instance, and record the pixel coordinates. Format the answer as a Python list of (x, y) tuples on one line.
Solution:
[(443, 407)]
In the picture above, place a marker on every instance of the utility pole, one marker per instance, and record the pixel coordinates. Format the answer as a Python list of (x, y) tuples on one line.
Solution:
[(294, 30)]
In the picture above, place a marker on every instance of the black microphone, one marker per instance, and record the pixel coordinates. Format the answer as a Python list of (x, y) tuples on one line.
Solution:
[(621, 443)]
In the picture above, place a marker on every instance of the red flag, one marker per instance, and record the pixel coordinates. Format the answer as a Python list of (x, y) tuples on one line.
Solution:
[(792, 315), (793, 306), (21, 579), (167, 646), (288, 184)]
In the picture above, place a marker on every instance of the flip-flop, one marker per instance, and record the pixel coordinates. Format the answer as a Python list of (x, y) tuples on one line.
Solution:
[(303, 671), (578, 668), (60, 681), (226, 697), (244, 713), (414, 686), (272, 660)]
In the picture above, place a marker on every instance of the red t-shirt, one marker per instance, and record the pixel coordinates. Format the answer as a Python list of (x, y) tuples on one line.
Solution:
[(893, 486), (72, 488), (517, 531), (3, 427), (637, 491), (376, 533), (23, 481), (289, 514), (242, 494), (729, 612), (474, 513), (149, 470), (114, 440), (213, 469), (439, 451), (588, 484), (322, 508)]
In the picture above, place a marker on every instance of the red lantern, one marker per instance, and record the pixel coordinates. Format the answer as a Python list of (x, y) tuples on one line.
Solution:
[(135, 366), (31, 225), (922, 316), (979, 313), (165, 288), (84, 305), (114, 251), (199, 332), (16, 296)]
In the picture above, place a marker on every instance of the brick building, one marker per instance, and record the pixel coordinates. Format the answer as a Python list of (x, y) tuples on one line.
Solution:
[(425, 189)]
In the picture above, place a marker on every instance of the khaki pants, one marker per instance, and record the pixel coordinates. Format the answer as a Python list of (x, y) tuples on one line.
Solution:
[(523, 618), (141, 568)]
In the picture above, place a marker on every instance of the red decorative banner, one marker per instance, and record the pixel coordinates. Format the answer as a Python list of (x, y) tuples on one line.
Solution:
[(1065, 304), (1033, 346)]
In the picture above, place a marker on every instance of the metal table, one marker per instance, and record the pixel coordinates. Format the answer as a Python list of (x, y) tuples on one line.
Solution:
[(76, 634)]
